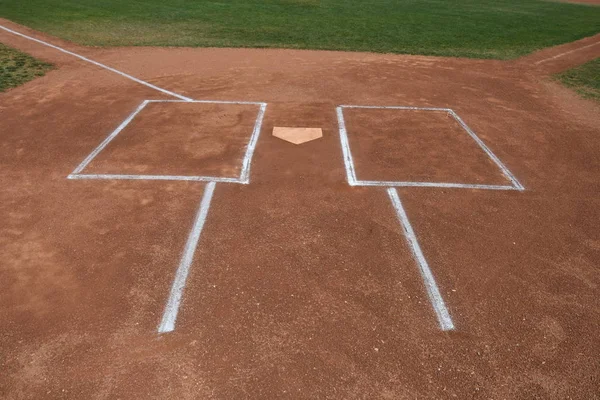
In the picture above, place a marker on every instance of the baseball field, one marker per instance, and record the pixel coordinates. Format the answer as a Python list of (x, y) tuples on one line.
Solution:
[(435, 238)]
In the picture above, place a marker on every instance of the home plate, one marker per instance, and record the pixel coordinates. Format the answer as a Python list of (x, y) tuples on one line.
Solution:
[(297, 135)]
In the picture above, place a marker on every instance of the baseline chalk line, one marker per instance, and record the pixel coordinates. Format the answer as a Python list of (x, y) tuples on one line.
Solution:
[(167, 323), (116, 71), (433, 292), (565, 53)]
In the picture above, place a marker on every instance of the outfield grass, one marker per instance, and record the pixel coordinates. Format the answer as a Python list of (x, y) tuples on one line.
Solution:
[(16, 68), (584, 79), (500, 29)]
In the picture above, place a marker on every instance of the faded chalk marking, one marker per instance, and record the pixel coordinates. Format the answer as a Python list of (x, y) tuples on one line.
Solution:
[(167, 323), (245, 173), (565, 53), (109, 138), (97, 64), (348, 162), (433, 292)]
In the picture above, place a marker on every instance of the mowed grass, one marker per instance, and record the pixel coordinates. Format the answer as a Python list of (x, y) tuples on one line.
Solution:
[(501, 29), (584, 79), (16, 68)]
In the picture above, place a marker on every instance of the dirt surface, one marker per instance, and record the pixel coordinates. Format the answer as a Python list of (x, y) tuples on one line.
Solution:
[(560, 58), (416, 146), (180, 139), (302, 286)]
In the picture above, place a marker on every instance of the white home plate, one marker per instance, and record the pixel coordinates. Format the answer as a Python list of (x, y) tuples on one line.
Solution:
[(297, 135)]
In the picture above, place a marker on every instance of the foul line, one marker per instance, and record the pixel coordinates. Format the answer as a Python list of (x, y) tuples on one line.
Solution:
[(433, 292), (167, 323), (97, 64), (565, 53)]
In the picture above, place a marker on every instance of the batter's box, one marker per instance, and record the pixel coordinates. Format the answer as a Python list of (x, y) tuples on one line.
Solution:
[(179, 140), (417, 146)]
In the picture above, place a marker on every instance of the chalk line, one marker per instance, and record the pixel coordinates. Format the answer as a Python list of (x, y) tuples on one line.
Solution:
[(188, 178), (245, 173), (399, 108), (443, 185), (109, 138), (489, 152), (348, 161), (565, 53), (433, 292), (123, 74), (258, 103), (167, 323)]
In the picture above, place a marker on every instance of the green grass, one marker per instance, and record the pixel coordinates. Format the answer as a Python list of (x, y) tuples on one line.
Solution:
[(501, 29), (16, 68), (584, 79)]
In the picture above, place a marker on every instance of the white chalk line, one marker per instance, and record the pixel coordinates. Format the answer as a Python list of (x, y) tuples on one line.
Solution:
[(399, 108), (169, 317), (244, 177), (433, 292), (348, 162), (565, 53), (123, 74), (445, 185), (156, 178), (109, 138), (351, 169), (245, 173), (256, 103), (491, 155)]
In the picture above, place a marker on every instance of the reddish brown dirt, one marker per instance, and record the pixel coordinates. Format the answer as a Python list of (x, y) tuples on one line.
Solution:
[(180, 139), (302, 287), (556, 59), (414, 145)]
